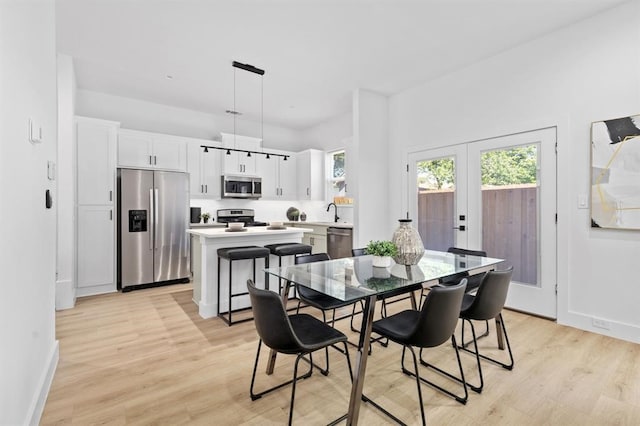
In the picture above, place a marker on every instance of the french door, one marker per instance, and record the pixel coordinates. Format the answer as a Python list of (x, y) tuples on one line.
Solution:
[(496, 195)]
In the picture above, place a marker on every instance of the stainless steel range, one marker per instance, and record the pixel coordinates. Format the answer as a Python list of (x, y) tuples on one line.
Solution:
[(239, 215)]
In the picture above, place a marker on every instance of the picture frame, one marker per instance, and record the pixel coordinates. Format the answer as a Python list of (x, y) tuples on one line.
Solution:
[(615, 173)]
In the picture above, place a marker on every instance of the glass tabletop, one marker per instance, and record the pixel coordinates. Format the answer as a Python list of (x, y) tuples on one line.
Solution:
[(353, 278)]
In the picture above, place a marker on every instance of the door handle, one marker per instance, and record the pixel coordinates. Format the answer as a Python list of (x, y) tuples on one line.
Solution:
[(155, 219), (460, 228), (152, 224)]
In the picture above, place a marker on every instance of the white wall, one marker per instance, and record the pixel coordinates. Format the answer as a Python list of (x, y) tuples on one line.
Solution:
[(29, 351), (142, 115), (583, 73), (330, 135), (367, 173), (66, 236)]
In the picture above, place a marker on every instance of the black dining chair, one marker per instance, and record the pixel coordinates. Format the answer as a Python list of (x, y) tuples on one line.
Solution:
[(297, 334), (322, 301), (473, 281), (485, 305), (431, 326)]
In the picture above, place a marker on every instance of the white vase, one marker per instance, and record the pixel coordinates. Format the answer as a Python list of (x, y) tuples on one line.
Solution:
[(381, 261)]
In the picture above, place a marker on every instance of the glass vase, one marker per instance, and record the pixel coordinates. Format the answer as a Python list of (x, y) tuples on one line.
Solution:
[(409, 243)]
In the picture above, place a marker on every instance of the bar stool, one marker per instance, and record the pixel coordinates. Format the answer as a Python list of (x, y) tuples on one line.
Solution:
[(287, 249), (240, 253)]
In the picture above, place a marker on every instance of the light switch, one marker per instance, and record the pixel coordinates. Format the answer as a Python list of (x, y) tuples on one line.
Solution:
[(51, 170), (35, 131), (582, 202)]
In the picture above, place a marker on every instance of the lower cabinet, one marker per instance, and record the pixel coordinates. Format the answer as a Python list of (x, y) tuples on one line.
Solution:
[(318, 242), (96, 250)]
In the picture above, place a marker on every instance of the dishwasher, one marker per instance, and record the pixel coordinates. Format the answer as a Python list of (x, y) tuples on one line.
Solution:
[(339, 242)]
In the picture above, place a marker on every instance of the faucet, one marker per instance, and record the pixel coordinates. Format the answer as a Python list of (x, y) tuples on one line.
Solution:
[(335, 211)]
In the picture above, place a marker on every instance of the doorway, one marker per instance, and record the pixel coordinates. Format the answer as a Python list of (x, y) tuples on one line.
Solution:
[(496, 195)]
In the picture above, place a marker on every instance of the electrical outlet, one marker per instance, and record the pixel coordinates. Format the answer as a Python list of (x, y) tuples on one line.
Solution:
[(600, 323)]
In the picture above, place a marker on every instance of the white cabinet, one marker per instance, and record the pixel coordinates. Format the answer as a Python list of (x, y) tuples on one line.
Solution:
[(204, 169), (96, 248), (317, 238), (151, 150), (95, 146), (310, 175), (95, 151), (238, 163), (278, 176), (235, 162)]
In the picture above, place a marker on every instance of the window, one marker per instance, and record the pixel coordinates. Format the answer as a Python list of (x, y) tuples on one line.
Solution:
[(336, 174)]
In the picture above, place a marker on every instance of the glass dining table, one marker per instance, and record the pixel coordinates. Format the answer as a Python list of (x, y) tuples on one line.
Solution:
[(355, 278)]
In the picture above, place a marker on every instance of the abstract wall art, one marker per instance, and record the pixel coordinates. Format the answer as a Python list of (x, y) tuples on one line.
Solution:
[(615, 173)]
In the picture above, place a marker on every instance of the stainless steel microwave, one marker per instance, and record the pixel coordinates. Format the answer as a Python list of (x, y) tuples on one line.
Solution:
[(241, 187)]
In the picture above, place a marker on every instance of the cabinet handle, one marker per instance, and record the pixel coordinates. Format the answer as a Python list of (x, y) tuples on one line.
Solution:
[(311, 240), (151, 160), (206, 189), (155, 160), (110, 214), (308, 191), (201, 188), (110, 195)]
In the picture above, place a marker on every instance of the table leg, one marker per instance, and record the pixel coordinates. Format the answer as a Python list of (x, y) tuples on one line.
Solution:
[(272, 354), (361, 362)]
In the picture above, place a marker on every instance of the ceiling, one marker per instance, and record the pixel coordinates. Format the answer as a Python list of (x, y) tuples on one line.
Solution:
[(314, 52)]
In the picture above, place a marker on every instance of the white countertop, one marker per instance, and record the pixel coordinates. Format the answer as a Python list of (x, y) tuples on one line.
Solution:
[(253, 231), (327, 224)]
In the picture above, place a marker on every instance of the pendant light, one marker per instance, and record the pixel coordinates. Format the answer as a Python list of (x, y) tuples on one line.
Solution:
[(235, 113)]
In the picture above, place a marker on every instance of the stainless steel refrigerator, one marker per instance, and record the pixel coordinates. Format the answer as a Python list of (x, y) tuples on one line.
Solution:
[(153, 216)]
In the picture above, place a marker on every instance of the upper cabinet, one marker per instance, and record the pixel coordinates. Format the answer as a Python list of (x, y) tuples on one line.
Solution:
[(96, 158), (310, 175), (204, 169), (151, 150), (239, 163), (278, 175)]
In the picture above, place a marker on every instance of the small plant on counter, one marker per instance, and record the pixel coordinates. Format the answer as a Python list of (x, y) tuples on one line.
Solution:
[(205, 217), (382, 248)]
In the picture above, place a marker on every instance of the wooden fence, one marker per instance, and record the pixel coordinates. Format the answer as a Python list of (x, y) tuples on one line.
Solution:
[(509, 223)]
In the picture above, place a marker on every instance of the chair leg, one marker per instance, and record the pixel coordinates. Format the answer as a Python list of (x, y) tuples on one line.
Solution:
[(506, 366), (461, 380), (485, 334), (477, 389), (417, 376), (259, 395)]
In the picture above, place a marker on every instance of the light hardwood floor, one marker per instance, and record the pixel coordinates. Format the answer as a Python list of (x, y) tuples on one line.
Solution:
[(146, 357)]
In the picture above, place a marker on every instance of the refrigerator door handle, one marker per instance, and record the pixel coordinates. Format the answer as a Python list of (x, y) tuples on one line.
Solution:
[(155, 217), (152, 219), (155, 213)]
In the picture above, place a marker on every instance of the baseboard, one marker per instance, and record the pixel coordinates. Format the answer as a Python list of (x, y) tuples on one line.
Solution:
[(65, 295), (44, 385), (606, 327), (95, 290)]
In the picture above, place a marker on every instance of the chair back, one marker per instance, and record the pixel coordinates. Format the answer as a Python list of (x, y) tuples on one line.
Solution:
[(457, 250), (309, 258), (439, 316), (491, 296), (271, 320), (358, 252)]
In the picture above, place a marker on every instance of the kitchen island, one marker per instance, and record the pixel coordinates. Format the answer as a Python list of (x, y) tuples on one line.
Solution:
[(205, 243)]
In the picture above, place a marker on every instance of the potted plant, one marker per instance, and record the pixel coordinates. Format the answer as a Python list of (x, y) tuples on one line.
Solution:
[(205, 217), (382, 252)]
